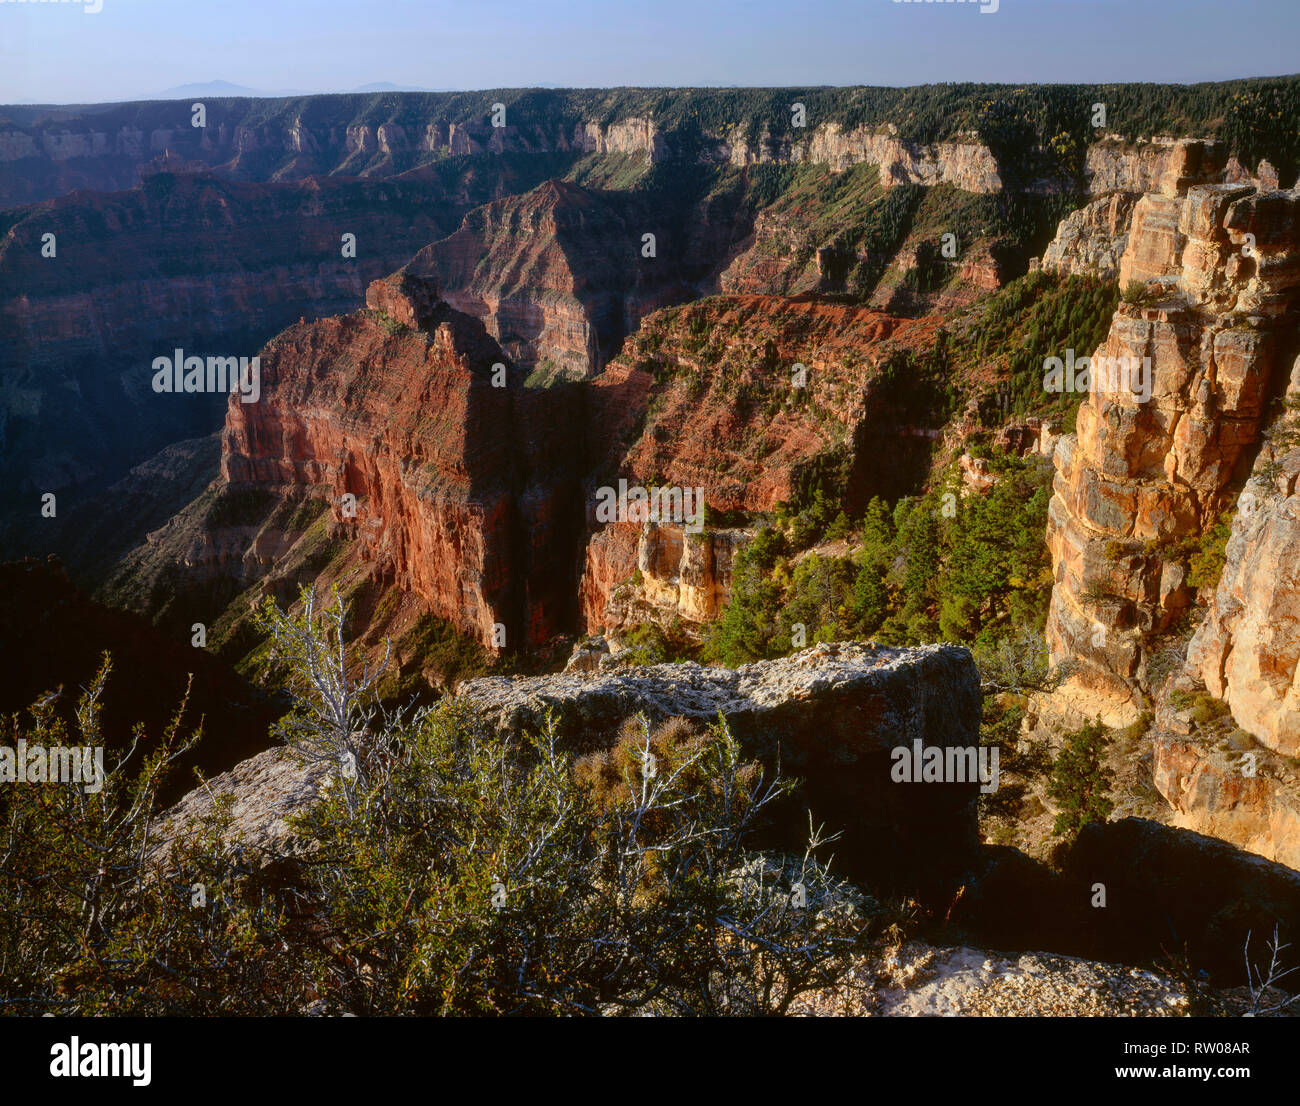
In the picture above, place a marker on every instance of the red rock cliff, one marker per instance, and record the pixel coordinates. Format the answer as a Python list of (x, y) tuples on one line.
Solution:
[(462, 489)]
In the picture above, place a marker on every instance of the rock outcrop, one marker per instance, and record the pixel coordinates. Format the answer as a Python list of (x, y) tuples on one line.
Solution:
[(1168, 166), (1215, 789), (481, 496), (918, 980), (1178, 393), (1247, 651), (264, 794), (460, 490), (828, 715), (1092, 240), (557, 275)]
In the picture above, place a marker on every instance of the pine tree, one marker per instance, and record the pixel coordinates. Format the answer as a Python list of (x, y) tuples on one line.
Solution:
[(1080, 781)]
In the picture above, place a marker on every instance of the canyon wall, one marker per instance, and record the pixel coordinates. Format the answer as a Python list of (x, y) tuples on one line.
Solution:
[(59, 152), (1247, 650), (206, 265), (1094, 239), (746, 397), (48, 151), (1220, 265), (462, 492), (480, 496)]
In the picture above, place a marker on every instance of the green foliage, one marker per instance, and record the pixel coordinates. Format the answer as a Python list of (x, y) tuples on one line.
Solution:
[(1015, 330), (973, 569), (446, 650), (445, 869), (480, 877), (1209, 553), (1020, 760), (747, 629), (650, 643), (93, 923), (1080, 781), (1136, 292), (391, 326), (1200, 705), (1202, 555)]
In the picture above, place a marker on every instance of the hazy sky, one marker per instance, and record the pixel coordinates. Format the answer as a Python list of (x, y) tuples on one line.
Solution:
[(61, 52)]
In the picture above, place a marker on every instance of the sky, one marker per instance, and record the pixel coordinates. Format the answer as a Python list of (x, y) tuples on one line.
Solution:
[(66, 52)]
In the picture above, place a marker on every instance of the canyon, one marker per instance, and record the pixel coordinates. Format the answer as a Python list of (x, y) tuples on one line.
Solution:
[(478, 494), (618, 288), (268, 189), (219, 266)]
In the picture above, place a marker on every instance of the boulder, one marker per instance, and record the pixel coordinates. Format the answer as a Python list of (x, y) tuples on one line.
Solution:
[(829, 716)]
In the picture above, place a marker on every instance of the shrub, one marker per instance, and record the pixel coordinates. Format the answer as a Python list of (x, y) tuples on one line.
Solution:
[(1208, 554), (1136, 292), (95, 920), (444, 868), (481, 876)]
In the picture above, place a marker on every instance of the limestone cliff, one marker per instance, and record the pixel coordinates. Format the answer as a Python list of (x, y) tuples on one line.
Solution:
[(1220, 267), (1247, 650), (49, 152)]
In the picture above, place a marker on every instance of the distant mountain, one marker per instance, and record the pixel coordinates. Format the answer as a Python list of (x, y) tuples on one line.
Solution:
[(219, 88)]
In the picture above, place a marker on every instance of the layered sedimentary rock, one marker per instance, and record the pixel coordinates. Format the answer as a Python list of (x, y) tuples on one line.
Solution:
[(447, 479), (747, 399), (51, 151), (964, 162), (197, 263), (673, 574), (558, 276), (1156, 453), (1214, 789), (453, 488), (1247, 650), (1092, 240), (1168, 166)]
